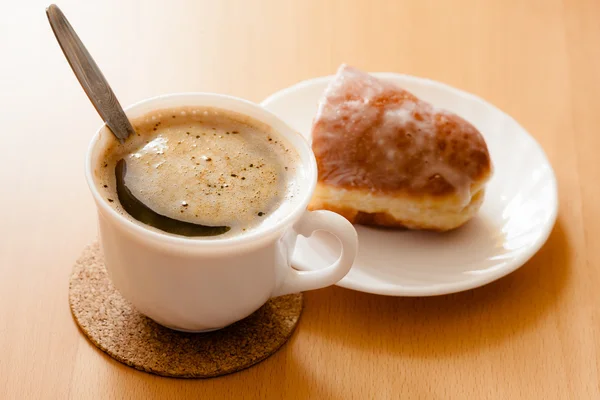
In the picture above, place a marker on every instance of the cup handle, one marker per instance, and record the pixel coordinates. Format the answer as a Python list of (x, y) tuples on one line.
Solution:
[(312, 221)]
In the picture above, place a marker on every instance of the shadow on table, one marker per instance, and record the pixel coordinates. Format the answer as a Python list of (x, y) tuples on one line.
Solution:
[(280, 376), (453, 323)]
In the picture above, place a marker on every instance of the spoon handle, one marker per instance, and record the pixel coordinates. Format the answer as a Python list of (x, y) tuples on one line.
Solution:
[(89, 75)]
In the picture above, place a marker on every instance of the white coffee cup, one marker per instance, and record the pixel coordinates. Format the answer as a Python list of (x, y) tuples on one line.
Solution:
[(195, 284)]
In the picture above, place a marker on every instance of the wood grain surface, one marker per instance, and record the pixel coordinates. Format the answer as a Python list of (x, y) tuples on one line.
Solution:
[(534, 334)]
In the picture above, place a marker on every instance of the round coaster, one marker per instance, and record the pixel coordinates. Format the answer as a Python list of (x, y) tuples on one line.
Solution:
[(114, 326)]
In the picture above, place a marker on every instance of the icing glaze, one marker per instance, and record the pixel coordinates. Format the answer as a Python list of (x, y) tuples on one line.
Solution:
[(371, 134)]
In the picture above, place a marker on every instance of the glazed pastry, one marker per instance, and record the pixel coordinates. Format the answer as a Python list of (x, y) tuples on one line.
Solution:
[(389, 159)]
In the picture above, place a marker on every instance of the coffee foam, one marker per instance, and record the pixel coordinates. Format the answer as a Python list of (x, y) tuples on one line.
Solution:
[(205, 166)]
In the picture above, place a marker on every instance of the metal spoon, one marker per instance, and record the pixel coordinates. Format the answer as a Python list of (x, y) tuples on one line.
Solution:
[(89, 75), (145, 214), (104, 100)]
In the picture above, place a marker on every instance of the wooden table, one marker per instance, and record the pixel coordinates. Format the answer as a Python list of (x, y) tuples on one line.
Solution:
[(533, 334)]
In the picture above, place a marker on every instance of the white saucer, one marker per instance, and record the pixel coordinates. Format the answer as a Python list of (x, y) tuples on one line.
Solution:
[(515, 220)]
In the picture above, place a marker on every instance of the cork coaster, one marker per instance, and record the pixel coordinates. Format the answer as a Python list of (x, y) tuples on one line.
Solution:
[(114, 326)]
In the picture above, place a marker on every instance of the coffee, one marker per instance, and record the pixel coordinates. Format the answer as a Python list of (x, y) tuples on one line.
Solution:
[(200, 166)]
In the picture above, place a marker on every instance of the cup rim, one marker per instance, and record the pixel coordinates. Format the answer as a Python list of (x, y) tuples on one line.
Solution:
[(266, 117)]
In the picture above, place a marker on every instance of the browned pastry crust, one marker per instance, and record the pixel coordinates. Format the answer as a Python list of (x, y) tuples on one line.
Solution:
[(387, 158)]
